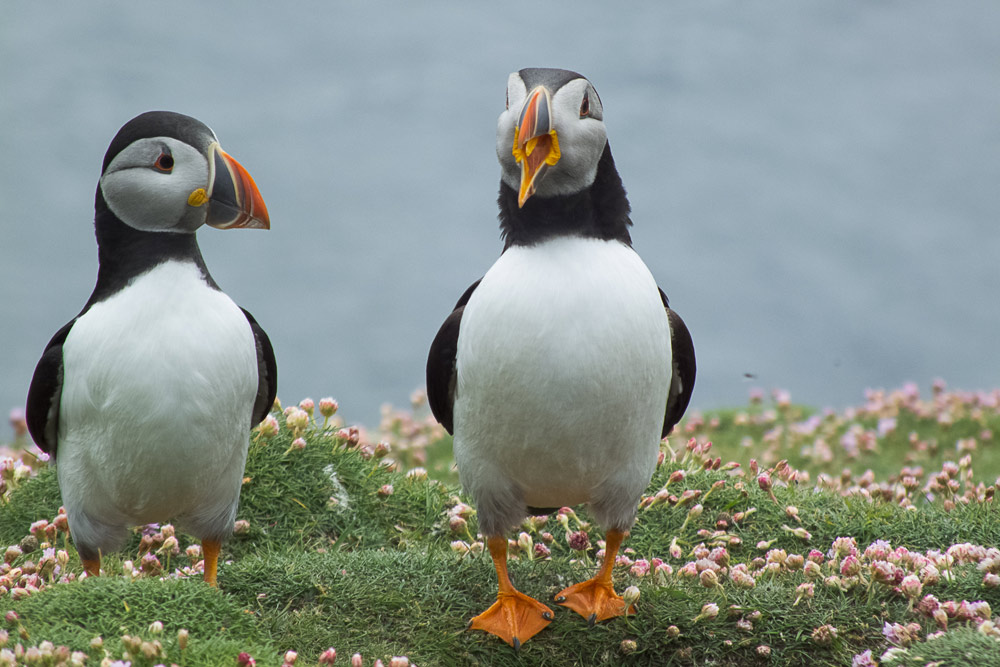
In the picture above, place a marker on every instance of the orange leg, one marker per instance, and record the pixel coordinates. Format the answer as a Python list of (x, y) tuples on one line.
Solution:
[(210, 552), (595, 599), (514, 617), (92, 566)]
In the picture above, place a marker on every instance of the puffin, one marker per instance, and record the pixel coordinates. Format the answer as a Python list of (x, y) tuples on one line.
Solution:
[(561, 369), (146, 398)]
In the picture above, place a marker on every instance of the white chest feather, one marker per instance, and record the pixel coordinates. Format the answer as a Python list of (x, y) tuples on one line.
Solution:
[(158, 389), (563, 372)]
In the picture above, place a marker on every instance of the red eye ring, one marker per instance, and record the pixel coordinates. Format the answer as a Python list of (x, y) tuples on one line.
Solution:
[(164, 163), (585, 106)]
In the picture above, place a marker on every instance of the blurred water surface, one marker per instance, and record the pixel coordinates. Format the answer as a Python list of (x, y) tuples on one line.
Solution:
[(815, 185)]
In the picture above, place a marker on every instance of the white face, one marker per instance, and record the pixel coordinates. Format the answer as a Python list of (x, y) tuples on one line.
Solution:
[(148, 184), (581, 137)]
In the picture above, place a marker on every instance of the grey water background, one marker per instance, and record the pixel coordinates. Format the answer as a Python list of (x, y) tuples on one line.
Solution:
[(816, 186)]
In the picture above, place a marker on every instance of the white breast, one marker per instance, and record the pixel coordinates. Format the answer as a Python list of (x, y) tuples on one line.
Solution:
[(158, 390), (563, 372)]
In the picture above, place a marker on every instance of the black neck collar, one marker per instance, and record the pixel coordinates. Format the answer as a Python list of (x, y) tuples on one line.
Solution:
[(123, 252), (601, 211)]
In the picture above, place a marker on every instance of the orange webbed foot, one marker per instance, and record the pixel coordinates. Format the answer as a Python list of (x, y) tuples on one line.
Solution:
[(595, 600), (514, 618)]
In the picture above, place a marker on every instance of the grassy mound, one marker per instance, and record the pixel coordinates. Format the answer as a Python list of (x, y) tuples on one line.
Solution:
[(771, 535)]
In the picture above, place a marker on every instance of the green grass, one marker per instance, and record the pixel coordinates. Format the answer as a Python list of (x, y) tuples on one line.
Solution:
[(375, 573)]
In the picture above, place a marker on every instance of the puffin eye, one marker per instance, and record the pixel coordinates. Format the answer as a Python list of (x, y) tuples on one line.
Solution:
[(506, 101), (164, 163), (585, 106)]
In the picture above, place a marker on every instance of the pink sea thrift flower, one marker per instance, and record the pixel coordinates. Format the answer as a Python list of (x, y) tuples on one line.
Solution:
[(764, 481), (630, 595), (824, 634), (269, 427), (843, 546), (884, 572), (911, 587), (901, 635), (578, 540), (709, 579), (328, 407), (457, 524), (864, 659), (708, 612), (150, 564), (297, 419), (329, 656), (640, 568), (675, 549), (850, 566), (878, 550), (804, 591)]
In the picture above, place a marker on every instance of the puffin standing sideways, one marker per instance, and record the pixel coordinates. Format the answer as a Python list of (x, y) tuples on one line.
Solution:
[(559, 371), (147, 397)]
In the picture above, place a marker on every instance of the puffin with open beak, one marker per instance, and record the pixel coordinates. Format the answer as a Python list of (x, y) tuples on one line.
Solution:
[(561, 369), (146, 398)]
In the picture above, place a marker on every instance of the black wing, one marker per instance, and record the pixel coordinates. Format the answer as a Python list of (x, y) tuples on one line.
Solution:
[(441, 364), (683, 372), (267, 372), (45, 393)]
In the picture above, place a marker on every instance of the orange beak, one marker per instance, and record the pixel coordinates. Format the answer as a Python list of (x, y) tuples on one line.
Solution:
[(536, 145), (234, 200)]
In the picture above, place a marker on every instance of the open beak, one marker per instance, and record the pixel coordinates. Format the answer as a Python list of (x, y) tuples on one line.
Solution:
[(233, 199), (536, 146)]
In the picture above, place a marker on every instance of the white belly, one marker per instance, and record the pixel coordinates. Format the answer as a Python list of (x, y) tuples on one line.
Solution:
[(563, 372), (159, 385)]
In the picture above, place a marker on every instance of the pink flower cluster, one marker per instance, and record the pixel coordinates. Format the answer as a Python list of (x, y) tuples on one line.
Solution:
[(410, 432)]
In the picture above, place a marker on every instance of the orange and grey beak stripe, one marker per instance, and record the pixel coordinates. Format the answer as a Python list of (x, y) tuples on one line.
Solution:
[(536, 145), (233, 198)]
